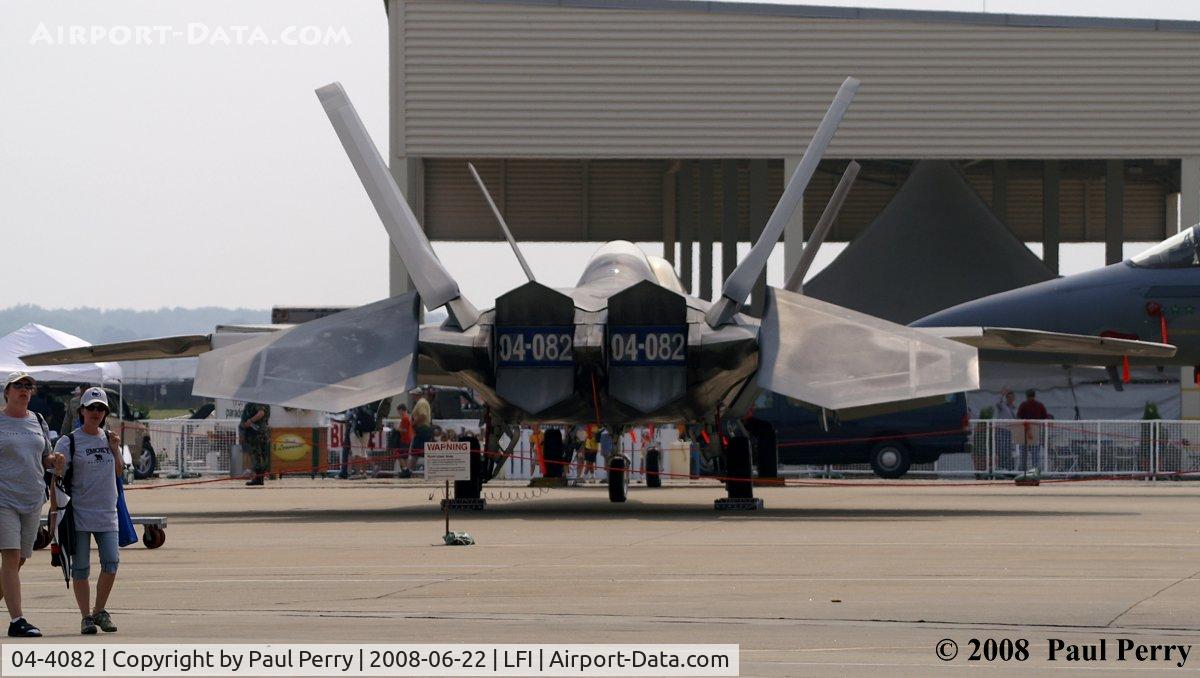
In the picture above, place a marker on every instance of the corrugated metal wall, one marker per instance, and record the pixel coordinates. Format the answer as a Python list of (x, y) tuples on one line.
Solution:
[(508, 80)]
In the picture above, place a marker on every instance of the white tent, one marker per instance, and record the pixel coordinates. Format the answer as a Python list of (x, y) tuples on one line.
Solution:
[(35, 338)]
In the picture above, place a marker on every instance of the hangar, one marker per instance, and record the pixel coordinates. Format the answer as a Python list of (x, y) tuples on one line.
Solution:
[(675, 120)]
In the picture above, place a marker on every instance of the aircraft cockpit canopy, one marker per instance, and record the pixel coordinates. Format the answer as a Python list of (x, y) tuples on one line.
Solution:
[(1178, 251), (618, 259)]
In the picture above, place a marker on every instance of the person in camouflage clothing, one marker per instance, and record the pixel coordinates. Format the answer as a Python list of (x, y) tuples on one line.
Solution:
[(256, 439)]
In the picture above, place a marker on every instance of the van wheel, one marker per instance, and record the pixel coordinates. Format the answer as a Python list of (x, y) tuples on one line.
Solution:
[(618, 479), (890, 459), (653, 468), (147, 462)]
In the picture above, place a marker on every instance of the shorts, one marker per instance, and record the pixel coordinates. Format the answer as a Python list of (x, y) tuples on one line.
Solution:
[(107, 543), (589, 457), (19, 530)]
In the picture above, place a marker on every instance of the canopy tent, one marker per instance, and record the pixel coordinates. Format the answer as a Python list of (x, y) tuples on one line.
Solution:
[(35, 338), (935, 245)]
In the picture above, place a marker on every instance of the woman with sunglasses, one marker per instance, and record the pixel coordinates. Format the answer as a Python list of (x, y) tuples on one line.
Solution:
[(24, 456), (93, 468)]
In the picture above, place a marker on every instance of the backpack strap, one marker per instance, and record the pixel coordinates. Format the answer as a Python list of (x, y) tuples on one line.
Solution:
[(70, 472), (45, 433)]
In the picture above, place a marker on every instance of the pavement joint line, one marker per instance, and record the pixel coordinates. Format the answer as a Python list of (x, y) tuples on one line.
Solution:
[(1152, 596), (655, 619)]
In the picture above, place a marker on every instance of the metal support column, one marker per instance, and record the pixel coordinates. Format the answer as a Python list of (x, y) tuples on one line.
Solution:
[(1000, 190), (686, 222), (708, 227), (759, 211), (793, 233), (1189, 192), (1050, 214), (729, 217), (1114, 211), (669, 211)]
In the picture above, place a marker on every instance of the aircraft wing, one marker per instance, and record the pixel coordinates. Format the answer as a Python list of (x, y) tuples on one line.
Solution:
[(836, 358), (1069, 348), (329, 364), (142, 349)]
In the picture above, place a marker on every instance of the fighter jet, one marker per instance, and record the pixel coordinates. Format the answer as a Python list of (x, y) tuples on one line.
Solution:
[(626, 345), (1153, 296)]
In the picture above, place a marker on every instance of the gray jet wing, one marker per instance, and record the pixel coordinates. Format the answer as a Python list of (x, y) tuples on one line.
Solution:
[(836, 358), (1052, 347), (142, 349), (329, 364)]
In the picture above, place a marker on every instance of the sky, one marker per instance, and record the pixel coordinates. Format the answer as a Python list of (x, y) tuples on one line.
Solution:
[(192, 165)]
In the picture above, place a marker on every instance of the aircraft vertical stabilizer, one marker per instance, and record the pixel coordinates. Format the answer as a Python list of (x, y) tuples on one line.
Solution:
[(432, 280)]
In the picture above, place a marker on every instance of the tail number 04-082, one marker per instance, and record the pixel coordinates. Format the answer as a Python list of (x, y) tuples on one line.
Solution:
[(647, 346), (533, 346)]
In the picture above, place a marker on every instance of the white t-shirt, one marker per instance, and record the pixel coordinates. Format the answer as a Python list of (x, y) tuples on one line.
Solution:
[(22, 484), (93, 481)]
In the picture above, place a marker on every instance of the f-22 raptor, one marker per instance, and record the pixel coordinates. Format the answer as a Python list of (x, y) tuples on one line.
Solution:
[(624, 346)]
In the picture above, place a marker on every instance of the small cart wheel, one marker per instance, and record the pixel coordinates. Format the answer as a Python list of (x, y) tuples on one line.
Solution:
[(153, 536)]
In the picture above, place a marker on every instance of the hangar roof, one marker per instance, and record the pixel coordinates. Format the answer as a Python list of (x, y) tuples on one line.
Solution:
[(869, 13)]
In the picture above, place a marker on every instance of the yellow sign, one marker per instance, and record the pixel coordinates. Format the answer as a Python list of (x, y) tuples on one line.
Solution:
[(292, 449)]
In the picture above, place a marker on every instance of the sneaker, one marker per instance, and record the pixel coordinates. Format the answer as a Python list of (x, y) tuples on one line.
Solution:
[(21, 628), (87, 626), (406, 473), (258, 480), (105, 622)]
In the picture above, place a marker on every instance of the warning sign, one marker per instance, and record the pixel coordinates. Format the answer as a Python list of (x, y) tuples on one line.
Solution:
[(447, 461)]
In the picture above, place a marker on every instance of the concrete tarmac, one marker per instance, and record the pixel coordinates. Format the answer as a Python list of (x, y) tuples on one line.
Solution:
[(853, 578)]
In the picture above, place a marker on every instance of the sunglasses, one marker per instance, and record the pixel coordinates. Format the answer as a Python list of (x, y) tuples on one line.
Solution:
[(96, 408), (23, 386)]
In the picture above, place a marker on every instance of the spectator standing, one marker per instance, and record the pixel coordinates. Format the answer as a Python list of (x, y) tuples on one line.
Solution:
[(256, 438), (536, 437), (24, 456), (1006, 410), (402, 435), (591, 446), (1032, 410), (91, 481), (71, 420), (422, 422)]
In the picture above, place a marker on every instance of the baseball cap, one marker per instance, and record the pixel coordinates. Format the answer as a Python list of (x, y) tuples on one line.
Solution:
[(94, 394), (17, 376)]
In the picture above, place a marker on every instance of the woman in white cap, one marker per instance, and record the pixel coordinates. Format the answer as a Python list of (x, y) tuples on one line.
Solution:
[(24, 456), (92, 455)]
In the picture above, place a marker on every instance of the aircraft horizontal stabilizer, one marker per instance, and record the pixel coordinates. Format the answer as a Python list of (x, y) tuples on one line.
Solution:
[(141, 349), (836, 358), (329, 364), (1038, 341)]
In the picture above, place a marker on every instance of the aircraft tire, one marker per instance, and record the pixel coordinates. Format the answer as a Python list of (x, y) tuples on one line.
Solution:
[(653, 468), (618, 479), (890, 459)]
